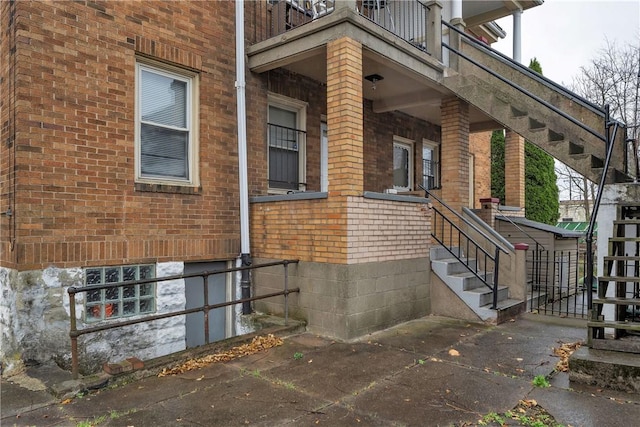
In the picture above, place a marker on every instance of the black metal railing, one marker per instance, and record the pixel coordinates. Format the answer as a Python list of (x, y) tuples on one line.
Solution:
[(285, 145), (430, 174), (405, 19), (274, 17), (74, 332), (536, 272), (560, 287), (482, 263)]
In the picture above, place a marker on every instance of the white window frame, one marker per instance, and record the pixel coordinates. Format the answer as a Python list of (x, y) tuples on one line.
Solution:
[(192, 126), (300, 108), (409, 145)]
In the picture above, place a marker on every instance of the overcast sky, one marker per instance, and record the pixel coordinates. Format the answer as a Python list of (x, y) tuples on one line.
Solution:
[(567, 34)]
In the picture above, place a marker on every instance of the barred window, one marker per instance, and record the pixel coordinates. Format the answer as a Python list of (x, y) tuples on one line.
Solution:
[(121, 301)]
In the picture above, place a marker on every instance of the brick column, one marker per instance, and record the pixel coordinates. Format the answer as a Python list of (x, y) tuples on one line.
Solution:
[(514, 170), (480, 147), (345, 117), (489, 210), (454, 155)]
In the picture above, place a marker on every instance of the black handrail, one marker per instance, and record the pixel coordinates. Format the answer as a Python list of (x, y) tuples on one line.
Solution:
[(611, 135), (526, 70), (535, 268), (470, 244)]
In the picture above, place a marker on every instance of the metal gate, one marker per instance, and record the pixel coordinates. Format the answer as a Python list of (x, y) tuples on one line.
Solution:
[(556, 281)]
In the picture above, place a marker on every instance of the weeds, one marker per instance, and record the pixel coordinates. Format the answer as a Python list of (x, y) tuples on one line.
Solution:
[(541, 381)]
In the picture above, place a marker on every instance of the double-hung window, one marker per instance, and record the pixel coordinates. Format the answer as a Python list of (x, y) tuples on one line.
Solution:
[(287, 138), (166, 123)]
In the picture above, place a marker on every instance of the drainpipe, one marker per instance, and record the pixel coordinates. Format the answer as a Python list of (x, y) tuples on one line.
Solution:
[(517, 35), (245, 255), (456, 9)]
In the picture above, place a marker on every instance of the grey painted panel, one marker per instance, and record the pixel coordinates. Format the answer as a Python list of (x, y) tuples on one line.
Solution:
[(194, 290)]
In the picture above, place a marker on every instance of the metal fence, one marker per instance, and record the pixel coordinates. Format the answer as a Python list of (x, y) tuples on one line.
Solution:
[(557, 283), (74, 332)]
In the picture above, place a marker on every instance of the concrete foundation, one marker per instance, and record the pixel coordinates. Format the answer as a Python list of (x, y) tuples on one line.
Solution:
[(34, 314), (348, 301)]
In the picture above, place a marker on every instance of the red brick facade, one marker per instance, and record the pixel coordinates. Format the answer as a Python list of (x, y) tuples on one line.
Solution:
[(68, 173)]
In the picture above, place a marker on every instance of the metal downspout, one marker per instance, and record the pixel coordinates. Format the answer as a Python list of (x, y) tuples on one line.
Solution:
[(517, 35), (245, 255)]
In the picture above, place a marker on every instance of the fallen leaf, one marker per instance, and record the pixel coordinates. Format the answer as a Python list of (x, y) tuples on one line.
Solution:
[(66, 401), (454, 352), (564, 352), (259, 343)]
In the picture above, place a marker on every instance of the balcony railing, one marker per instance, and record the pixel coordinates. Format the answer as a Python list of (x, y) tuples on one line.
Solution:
[(406, 19), (270, 18)]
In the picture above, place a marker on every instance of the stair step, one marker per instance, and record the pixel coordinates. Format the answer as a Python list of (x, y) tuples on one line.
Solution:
[(470, 281), (456, 266), (618, 279), (619, 345), (536, 125), (628, 326), (440, 252), (621, 258), (485, 295), (626, 222), (576, 148), (518, 113), (617, 301), (624, 239)]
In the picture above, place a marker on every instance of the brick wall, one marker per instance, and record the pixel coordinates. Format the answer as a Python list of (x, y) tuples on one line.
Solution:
[(514, 170), (455, 153), (332, 231), (380, 230), (309, 230), (480, 147), (76, 201)]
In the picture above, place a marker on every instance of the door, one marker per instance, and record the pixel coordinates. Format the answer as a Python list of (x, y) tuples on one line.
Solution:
[(194, 292)]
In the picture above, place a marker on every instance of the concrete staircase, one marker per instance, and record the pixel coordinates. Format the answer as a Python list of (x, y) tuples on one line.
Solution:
[(455, 272), (558, 136)]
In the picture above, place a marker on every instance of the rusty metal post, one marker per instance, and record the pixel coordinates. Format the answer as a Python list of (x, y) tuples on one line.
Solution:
[(205, 306), (286, 292), (72, 333)]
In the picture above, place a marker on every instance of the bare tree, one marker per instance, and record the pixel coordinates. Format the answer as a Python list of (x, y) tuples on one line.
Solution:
[(613, 78), (574, 187)]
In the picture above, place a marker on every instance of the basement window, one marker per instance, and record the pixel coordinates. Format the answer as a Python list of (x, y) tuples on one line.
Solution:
[(119, 301)]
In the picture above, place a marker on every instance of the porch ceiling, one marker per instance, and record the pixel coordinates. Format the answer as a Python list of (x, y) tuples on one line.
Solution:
[(402, 89), (412, 77), (481, 12)]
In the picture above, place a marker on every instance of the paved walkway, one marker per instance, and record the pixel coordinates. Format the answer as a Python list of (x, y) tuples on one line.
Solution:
[(428, 372)]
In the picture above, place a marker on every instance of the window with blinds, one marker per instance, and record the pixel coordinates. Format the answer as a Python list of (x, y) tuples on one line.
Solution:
[(165, 133)]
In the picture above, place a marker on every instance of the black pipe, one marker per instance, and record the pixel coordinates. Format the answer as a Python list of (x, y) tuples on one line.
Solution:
[(596, 206), (245, 283)]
